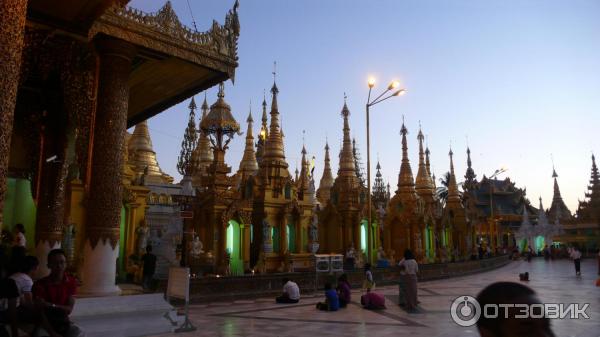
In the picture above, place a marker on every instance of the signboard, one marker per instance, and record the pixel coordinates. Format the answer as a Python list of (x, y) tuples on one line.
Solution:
[(322, 263), (337, 263), (178, 285)]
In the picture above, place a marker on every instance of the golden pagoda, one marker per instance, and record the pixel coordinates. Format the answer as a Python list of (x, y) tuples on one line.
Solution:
[(281, 214), (203, 155), (402, 229), (454, 218), (342, 219), (324, 191), (142, 157)]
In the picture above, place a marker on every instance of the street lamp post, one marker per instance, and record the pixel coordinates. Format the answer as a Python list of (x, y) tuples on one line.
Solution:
[(369, 104), (492, 220)]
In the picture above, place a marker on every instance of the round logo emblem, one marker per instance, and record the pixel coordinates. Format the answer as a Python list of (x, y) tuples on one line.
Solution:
[(465, 311)]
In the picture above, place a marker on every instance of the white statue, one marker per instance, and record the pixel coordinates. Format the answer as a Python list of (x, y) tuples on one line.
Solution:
[(68, 241), (197, 247), (142, 240), (314, 234)]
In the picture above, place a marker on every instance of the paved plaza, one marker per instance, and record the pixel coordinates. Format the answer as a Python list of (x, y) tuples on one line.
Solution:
[(555, 282)]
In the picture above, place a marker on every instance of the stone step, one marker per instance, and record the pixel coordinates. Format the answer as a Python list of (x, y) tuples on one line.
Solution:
[(125, 316)]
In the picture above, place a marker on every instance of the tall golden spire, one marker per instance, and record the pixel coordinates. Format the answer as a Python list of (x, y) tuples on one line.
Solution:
[(324, 191), (406, 183), (347, 166), (304, 171), (248, 165), (453, 194), (424, 185), (274, 147), (143, 158)]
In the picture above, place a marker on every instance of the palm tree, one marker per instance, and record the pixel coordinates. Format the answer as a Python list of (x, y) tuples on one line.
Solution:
[(442, 191)]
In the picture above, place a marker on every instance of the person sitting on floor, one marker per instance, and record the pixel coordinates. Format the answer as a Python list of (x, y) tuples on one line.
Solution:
[(372, 300), (332, 302), (291, 292), (344, 290), (26, 311), (54, 297)]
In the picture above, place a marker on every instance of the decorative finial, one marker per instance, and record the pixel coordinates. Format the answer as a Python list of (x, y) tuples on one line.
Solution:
[(303, 134), (250, 120), (274, 71), (221, 93), (192, 105)]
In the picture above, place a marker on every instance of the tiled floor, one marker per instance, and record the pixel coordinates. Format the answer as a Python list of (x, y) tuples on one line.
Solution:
[(554, 282)]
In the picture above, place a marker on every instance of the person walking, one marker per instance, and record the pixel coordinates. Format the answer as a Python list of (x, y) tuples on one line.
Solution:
[(149, 261), (576, 256), (411, 268)]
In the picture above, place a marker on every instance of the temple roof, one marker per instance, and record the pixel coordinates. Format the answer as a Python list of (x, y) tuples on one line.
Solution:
[(173, 62), (506, 198)]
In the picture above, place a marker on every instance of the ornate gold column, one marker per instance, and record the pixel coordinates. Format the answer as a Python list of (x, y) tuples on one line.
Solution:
[(106, 185), (13, 14)]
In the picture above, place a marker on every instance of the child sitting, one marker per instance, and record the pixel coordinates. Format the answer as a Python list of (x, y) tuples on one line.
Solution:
[(331, 300)]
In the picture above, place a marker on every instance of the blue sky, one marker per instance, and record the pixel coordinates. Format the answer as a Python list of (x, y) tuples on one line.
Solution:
[(519, 78)]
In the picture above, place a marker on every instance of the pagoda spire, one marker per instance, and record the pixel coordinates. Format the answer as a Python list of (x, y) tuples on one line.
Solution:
[(142, 156), (185, 162), (347, 165), (264, 120), (248, 164), (324, 191), (406, 183), (558, 209), (453, 194), (427, 162), (424, 185), (303, 180), (589, 209), (274, 146), (203, 155), (470, 176), (380, 193)]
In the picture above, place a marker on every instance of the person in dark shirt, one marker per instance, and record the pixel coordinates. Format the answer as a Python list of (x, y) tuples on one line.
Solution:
[(8, 316), (149, 261)]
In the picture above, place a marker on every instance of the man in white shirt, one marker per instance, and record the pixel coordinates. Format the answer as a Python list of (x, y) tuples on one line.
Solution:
[(23, 280), (291, 292), (576, 256)]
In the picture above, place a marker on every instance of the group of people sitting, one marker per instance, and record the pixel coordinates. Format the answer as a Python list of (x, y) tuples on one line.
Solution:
[(30, 307), (335, 298)]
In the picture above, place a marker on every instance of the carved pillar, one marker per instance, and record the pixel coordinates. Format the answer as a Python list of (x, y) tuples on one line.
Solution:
[(13, 14), (106, 186)]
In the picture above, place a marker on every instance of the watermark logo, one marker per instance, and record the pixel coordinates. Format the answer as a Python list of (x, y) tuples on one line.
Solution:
[(466, 311)]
